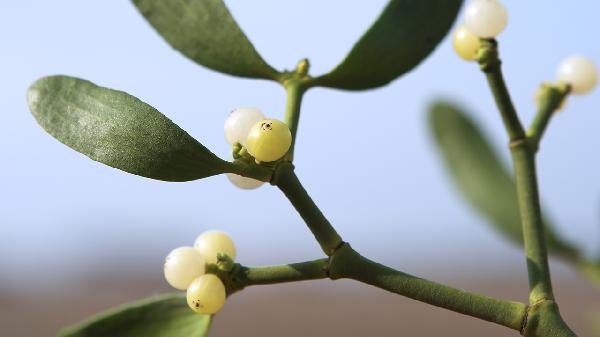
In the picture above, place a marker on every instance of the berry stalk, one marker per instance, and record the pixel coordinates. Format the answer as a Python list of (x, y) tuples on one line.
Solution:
[(550, 100), (490, 65), (293, 272)]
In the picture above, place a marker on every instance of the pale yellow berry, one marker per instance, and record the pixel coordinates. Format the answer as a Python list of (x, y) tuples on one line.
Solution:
[(466, 44), (269, 140), (486, 18), (244, 183), (182, 266), (206, 295), (580, 73), (211, 243)]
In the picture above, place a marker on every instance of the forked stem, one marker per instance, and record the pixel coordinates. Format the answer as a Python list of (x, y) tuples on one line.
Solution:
[(543, 318), (344, 262)]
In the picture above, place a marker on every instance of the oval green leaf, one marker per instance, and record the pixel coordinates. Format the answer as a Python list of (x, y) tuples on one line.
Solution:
[(480, 175), (119, 130), (405, 33), (205, 32), (162, 316)]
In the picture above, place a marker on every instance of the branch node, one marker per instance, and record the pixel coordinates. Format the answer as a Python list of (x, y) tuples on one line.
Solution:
[(327, 266), (488, 56)]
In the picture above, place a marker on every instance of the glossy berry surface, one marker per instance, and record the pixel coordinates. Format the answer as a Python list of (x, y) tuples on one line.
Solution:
[(244, 183), (206, 294), (269, 140), (182, 266), (239, 122), (580, 73), (465, 43), (486, 18), (211, 243)]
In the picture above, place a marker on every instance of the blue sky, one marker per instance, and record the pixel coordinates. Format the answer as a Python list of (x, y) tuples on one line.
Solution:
[(382, 186)]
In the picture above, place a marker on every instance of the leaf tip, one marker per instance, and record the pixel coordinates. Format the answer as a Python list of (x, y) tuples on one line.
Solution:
[(33, 94)]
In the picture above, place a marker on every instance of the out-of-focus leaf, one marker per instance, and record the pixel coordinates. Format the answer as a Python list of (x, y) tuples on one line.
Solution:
[(481, 177), (405, 33), (595, 321), (119, 130), (591, 269), (205, 31), (162, 316)]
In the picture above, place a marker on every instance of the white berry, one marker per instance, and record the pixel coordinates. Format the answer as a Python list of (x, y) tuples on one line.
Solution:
[(579, 72), (206, 295), (182, 266), (212, 243), (239, 122), (244, 183), (486, 18)]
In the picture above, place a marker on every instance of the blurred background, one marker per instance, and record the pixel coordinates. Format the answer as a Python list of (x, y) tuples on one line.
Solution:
[(77, 237)]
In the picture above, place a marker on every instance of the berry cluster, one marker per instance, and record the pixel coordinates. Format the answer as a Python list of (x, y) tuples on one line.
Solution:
[(185, 269), (486, 19), (267, 140)]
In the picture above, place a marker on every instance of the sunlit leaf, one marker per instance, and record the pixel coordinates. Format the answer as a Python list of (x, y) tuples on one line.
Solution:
[(405, 33), (163, 316), (119, 130), (205, 31)]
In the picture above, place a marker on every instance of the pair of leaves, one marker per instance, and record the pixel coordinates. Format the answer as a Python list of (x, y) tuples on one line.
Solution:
[(163, 316), (121, 131), (481, 177), (405, 33)]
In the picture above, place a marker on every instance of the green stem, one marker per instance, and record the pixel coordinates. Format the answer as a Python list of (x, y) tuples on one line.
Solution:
[(295, 86), (491, 66), (310, 270), (295, 92), (531, 218), (544, 320), (347, 263), (524, 164), (288, 183), (550, 99)]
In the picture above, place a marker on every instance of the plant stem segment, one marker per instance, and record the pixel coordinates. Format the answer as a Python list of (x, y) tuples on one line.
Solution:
[(491, 65), (295, 86), (531, 218), (295, 92), (311, 270), (288, 183), (347, 263), (550, 98), (344, 262), (524, 165)]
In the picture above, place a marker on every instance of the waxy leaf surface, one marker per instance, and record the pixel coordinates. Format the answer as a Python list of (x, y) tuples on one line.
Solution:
[(119, 130)]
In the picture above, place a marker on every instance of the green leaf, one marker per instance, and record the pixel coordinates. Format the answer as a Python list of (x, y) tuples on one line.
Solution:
[(591, 269), (119, 130), (205, 31), (595, 322), (404, 35), (480, 175), (163, 316)]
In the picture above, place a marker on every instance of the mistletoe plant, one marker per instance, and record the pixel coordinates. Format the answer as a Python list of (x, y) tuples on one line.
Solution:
[(119, 130)]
